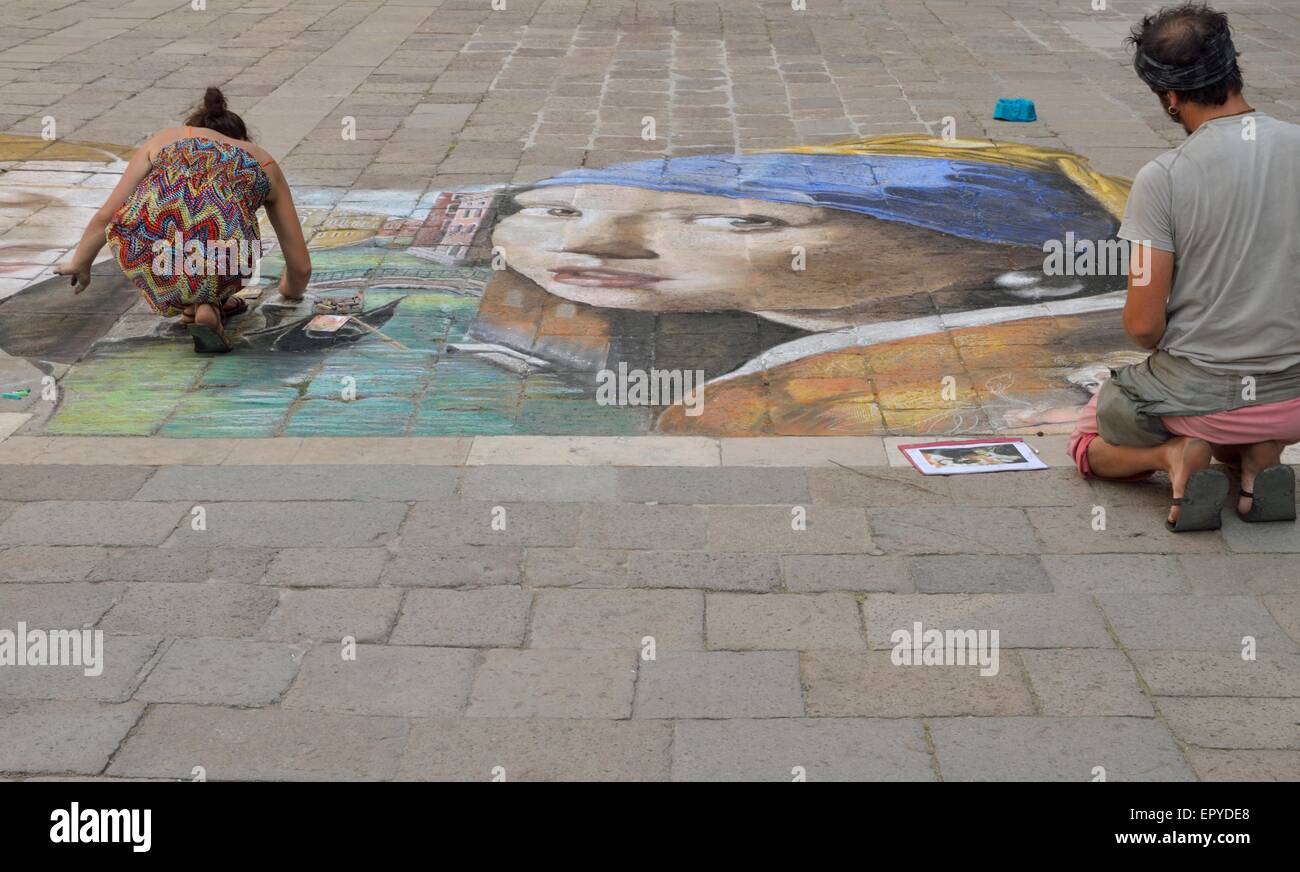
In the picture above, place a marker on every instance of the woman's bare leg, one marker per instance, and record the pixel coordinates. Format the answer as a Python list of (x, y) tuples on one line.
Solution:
[(1179, 457)]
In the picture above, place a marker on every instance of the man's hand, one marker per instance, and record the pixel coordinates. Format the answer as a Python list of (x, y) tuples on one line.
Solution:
[(79, 275)]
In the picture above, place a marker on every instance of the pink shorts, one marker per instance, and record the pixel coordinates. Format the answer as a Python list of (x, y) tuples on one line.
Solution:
[(1244, 426)]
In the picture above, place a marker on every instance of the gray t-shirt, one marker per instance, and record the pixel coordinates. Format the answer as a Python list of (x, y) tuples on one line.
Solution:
[(1228, 206)]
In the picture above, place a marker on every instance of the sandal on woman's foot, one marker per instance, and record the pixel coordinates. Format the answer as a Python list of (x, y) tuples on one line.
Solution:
[(1201, 504), (233, 308), (208, 340), (1273, 498)]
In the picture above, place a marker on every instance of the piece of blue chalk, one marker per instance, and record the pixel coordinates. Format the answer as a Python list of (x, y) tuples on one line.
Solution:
[(1014, 109)]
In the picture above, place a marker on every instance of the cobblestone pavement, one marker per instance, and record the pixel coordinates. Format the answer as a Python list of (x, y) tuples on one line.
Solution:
[(548, 608), (567, 608)]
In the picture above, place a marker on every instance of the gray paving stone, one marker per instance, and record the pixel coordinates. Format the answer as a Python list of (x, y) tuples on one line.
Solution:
[(260, 744), (952, 531), (1235, 573), (575, 567), (326, 567), (1029, 620), (91, 523), (1213, 764), (643, 527), (488, 618), (1086, 682), (40, 482), (985, 574), (1243, 538), (472, 749), (222, 672), (593, 619), (7, 509), (1152, 493), (122, 660), (1285, 609), (758, 529), (878, 487), (869, 684), (1234, 722), (1129, 529), (77, 738), (384, 680), (1219, 673), (1045, 487), (404, 483), (815, 573), (192, 564), (757, 573), (1116, 573), (457, 566), (707, 486), (292, 525), (162, 609), (719, 684), (800, 622), (554, 684), (777, 749), (486, 523), (64, 606), (1216, 623), (42, 563), (1056, 749), (331, 615), (553, 484)]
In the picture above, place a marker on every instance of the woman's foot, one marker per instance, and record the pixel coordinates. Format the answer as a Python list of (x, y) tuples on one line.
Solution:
[(206, 330), (1184, 456)]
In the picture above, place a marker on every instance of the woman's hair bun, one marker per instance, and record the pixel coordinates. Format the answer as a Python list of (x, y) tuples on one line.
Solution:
[(214, 102)]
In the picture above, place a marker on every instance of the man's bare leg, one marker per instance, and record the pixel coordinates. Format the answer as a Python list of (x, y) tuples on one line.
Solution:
[(1179, 457)]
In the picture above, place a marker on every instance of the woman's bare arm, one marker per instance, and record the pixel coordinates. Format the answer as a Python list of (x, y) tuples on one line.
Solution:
[(288, 231), (1150, 278), (78, 265)]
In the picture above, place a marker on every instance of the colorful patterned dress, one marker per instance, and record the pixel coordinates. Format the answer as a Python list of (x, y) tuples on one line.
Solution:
[(200, 190)]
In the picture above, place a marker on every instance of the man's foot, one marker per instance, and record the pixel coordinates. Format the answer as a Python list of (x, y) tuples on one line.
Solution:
[(1184, 456), (1254, 460)]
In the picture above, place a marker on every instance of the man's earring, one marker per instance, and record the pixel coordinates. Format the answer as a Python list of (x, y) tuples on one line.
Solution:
[(1172, 110)]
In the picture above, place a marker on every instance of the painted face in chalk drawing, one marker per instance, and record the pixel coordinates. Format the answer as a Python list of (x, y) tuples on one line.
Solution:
[(630, 248)]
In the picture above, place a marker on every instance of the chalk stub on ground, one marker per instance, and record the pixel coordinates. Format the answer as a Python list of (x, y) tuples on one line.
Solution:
[(1014, 109)]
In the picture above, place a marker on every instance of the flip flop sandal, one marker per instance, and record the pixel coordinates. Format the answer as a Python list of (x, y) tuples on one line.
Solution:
[(1274, 496), (207, 340), (1202, 502)]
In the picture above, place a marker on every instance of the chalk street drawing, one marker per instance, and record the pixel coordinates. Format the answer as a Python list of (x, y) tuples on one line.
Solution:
[(891, 285)]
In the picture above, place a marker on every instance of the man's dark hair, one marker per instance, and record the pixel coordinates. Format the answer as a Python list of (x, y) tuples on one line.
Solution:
[(1181, 36)]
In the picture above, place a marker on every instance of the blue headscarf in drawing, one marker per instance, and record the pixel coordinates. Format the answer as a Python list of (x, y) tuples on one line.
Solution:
[(981, 201)]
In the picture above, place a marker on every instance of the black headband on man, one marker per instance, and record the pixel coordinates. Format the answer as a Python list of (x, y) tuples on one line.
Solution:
[(1215, 64)]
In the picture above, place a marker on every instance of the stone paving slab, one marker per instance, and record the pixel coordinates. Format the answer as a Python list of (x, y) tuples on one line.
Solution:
[(222, 671), (269, 483), (787, 749), (260, 744), (719, 684), (74, 737), (518, 749), (91, 523), (1056, 749), (384, 680)]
